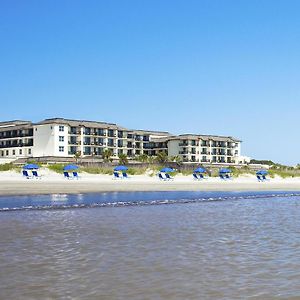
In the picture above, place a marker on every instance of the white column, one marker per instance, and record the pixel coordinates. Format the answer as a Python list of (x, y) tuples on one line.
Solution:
[(81, 137)]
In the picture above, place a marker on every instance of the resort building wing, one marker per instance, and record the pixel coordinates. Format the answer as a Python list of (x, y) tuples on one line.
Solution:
[(59, 137), (205, 148)]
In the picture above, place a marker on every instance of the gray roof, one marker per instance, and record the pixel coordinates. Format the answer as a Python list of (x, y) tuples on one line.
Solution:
[(151, 132), (15, 125), (204, 137), (14, 122), (85, 123), (97, 124)]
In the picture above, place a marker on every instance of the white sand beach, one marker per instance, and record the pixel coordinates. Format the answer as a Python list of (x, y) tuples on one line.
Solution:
[(12, 183)]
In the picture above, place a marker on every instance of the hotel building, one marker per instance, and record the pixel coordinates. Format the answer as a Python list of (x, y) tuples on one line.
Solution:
[(60, 137), (205, 148)]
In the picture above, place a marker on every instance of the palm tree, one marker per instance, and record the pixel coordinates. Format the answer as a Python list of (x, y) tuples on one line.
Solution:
[(162, 157), (176, 159), (142, 158), (151, 159), (106, 155), (123, 160), (77, 155)]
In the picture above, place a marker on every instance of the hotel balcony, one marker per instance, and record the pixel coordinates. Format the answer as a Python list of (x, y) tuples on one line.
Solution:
[(2, 137), (72, 152), (205, 160), (74, 132), (16, 145), (185, 152)]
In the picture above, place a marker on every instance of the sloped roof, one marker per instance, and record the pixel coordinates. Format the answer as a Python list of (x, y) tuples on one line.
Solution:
[(204, 137), (85, 123)]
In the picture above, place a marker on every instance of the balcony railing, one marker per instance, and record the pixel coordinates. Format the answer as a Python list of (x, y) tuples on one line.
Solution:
[(16, 145), (15, 136), (184, 152)]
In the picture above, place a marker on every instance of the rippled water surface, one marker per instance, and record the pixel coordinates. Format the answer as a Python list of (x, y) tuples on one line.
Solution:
[(239, 247)]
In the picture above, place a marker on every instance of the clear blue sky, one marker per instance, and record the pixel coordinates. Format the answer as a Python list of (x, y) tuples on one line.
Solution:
[(210, 67)]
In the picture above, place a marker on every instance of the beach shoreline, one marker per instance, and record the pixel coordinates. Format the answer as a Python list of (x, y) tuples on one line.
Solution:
[(52, 183)]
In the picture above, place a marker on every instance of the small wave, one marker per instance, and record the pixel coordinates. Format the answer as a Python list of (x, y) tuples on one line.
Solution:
[(145, 202)]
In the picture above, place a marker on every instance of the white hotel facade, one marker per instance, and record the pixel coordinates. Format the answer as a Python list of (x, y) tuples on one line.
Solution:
[(60, 137)]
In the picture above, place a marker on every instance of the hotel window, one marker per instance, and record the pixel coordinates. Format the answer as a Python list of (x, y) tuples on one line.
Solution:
[(20, 151), (14, 152), (29, 151), (61, 138), (61, 148), (61, 128), (7, 152)]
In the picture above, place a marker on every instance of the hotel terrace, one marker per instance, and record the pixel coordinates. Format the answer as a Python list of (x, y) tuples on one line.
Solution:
[(60, 137)]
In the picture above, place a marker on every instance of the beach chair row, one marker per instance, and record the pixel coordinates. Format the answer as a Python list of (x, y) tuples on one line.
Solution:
[(199, 176), (261, 178), (117, 175), (73, 175), (165, 177), (33, 175), (225, 177)]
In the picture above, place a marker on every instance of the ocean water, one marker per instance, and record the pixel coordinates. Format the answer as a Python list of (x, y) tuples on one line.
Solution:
[(135, 246)]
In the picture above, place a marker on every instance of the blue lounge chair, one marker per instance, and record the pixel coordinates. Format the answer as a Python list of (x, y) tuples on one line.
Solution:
[(66, 175), (161, 177), (25, 174), (116, 175), (221, 177), (258, 178), (36, 175), (195, 176), (124, 174), (75, 175), (201, 176), (168, 177)]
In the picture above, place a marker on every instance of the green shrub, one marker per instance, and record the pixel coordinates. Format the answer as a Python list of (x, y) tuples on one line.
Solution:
[(32, 161), (7, 167), (96, 170), (58, 168), (186, 172), (136, 171), (284, 173), (236, 172)]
